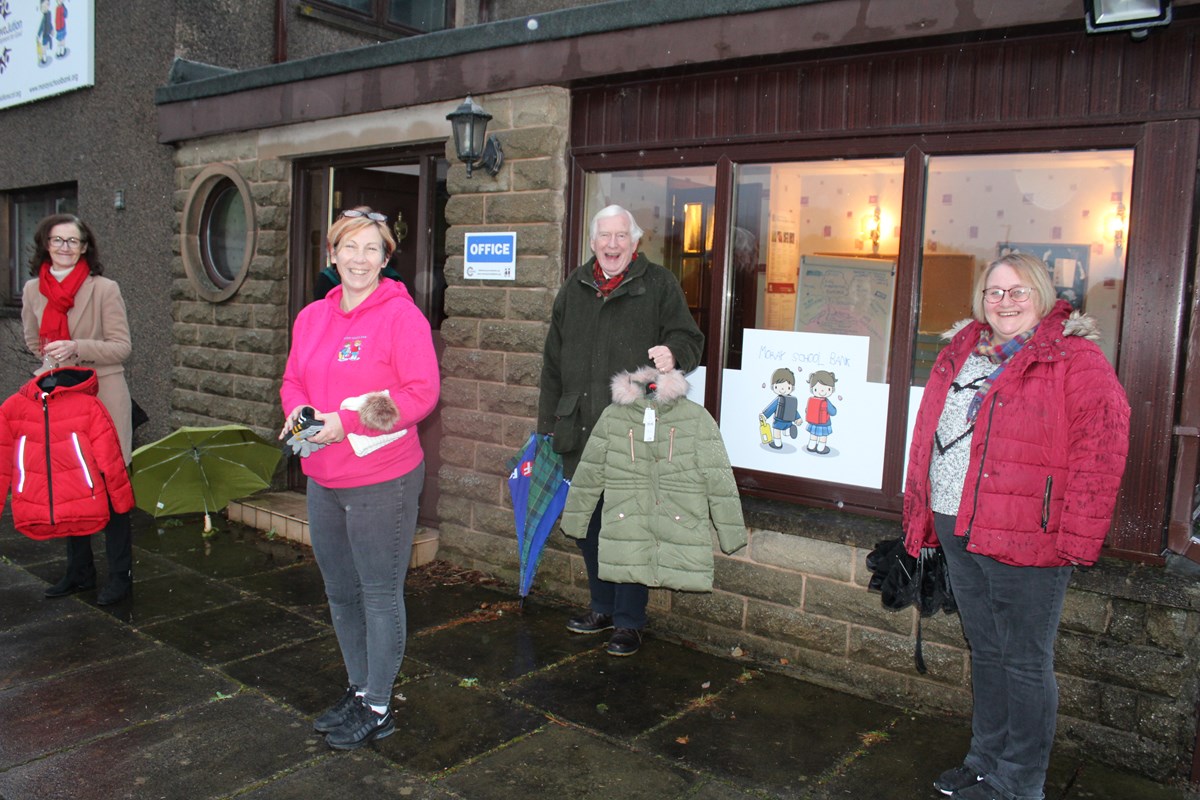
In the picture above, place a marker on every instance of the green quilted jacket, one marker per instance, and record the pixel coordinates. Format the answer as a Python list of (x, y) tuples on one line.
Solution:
[(663, 498)]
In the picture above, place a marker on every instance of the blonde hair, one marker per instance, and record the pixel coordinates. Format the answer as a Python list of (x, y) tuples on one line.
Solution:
[(1032, 272), (345, 226)]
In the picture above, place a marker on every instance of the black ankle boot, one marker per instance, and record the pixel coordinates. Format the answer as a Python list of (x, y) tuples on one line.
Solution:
[(71, 583), (119, 587), (81, 571)]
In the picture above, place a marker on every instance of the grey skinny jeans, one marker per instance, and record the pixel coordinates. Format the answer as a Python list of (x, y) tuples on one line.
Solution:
[(362, 538), (1010, 618)]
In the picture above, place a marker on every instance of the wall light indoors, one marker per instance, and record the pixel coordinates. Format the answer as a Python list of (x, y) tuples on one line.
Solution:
[(472, 145), (1114, 224), (1135, 16), (872, 224)]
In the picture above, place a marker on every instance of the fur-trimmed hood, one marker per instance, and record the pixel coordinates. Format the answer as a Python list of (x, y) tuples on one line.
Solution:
[(648, 382), (1076, 323)]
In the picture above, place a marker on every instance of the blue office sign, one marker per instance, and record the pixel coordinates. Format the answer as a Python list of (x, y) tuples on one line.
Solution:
[(490, 256)]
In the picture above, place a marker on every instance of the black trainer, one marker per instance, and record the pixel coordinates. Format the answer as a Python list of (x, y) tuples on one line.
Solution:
[(335, 716), (590, 622), (952, 780), (624, 642), (361, 727)]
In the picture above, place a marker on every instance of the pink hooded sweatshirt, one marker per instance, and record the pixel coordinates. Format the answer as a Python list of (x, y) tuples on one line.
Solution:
[(384, 343)]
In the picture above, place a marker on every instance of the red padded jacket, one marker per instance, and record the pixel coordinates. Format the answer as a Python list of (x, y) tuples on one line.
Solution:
[(1047, 452), (60, 455)]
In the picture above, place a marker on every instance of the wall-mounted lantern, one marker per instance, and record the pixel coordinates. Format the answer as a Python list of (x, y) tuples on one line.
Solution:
[(472, 145)]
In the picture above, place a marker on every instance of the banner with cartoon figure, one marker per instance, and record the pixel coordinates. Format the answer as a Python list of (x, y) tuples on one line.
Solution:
[(802, 405), (46, 48)]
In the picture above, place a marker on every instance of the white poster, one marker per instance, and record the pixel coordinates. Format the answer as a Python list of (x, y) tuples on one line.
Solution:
[(46, 48), (802, 405)]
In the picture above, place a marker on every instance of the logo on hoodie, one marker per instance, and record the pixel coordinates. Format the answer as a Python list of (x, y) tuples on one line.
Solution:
[(351, 349)]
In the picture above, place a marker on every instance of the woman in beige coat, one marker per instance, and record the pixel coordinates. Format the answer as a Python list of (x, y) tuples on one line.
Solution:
[(72, 316)]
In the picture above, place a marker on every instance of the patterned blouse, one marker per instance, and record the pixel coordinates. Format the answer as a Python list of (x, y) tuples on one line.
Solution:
[(952, 443)]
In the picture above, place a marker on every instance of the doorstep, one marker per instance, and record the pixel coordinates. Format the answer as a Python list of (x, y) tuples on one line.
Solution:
[(286, 513)]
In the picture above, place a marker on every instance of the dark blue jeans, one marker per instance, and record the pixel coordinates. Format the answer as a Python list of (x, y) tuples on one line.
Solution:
[(1010, 618), (362, 538), (625, 602)]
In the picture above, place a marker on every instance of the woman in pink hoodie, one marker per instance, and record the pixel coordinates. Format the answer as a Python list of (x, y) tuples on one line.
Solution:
[(362, 362)]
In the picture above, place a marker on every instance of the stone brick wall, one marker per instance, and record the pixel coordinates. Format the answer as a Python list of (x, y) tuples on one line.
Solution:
[(494, 330), (228, 358)]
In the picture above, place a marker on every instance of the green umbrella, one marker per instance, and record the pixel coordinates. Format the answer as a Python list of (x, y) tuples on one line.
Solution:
[(201, 469)]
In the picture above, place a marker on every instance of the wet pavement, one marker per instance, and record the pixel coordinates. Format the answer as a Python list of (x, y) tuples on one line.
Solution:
[(205, 683)]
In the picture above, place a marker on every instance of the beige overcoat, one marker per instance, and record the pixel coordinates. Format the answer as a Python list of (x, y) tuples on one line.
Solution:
[(100, 327)]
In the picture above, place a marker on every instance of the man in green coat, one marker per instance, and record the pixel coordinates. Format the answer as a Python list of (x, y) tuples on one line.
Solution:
[(614, 314)]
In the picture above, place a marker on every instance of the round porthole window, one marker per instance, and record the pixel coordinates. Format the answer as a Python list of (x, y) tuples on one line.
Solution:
[(218, 232)]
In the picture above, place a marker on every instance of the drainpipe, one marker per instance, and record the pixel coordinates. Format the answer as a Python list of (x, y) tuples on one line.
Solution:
[(281, 32)]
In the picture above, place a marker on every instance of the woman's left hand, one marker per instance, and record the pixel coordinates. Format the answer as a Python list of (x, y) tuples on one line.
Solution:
[(61, 351), (332, 431)]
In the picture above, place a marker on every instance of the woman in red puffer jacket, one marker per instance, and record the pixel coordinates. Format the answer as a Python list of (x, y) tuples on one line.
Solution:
[(1016, 459)]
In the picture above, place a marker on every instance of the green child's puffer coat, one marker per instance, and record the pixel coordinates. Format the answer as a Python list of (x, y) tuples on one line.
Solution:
[(663, 498)]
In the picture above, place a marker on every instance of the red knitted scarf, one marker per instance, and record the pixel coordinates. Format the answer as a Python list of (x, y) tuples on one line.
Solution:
[(604, 284), (60, 298)]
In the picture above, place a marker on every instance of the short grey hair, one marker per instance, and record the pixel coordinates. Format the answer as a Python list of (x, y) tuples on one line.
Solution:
[(611, 211)]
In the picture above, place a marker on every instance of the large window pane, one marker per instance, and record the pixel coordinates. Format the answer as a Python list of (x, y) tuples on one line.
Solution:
[(675, 209), (812, 297), (422, 15), (1069, 209)]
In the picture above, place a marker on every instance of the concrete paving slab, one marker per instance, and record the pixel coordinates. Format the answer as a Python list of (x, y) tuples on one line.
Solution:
[(1090, 781), (565, 762), (74, 640), (209, 751), (234, 632), (900, 757), (796, 731), (57, 713), (435, 608), (443, 721), (18, 548), (501, 643), (308, 676), (348, 776), (626, 697), (232, 552), (173, 596), (145, 565), (22, 602), (297, 587), (12, 575)]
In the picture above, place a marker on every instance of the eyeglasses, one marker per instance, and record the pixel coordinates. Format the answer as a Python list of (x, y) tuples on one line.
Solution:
[(1018, 294), (70, 244), (375, 216)]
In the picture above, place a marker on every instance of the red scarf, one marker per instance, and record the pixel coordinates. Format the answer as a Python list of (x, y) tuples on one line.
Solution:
[(60, 298), (604, 284)]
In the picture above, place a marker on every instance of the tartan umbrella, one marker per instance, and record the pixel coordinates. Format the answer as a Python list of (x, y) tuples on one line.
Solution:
[(201, 469), (539, 492)]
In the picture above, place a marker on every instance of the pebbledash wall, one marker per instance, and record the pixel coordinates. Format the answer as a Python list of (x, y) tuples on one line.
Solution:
[(793, 601)]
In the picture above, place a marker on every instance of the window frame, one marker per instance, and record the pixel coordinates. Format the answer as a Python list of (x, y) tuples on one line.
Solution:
[(914, 149), (373, 23), (196, 217), (14, 245)]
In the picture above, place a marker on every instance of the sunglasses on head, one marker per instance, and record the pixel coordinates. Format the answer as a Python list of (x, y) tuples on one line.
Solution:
[(371, 215)]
